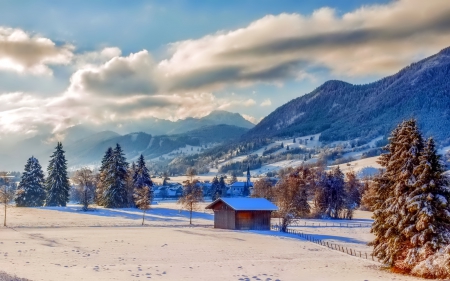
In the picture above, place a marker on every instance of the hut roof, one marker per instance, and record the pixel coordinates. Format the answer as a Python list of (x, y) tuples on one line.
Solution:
[(246, 204)]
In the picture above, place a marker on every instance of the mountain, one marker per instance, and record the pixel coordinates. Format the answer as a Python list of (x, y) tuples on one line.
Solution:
[(227, 118), (218, 117), (157, 126), (342, 111), (90, 150)]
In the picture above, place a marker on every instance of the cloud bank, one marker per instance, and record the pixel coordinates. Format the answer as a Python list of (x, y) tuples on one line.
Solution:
[(22, 53), (109, 88)]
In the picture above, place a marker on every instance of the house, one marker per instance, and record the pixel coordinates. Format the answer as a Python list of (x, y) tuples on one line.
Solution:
[(242, 213), (241, 188)]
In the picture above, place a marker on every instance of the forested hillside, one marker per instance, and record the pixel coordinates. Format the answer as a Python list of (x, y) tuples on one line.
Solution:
[(342, 111)]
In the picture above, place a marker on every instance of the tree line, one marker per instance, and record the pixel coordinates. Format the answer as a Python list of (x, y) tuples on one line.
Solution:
[(116, 185), (307, 192)]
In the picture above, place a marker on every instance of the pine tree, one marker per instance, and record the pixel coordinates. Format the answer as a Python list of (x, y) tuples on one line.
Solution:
[(57, 184), (391, 216), (115, 193), (216, 191), (31, 191), (223, 187), (104, 168), (141, 177), (428, 209)]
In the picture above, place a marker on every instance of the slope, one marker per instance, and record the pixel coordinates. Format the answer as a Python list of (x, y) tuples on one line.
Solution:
[(342, 111)]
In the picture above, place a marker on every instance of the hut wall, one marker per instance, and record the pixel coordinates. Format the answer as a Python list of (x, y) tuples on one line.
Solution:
[(256, 220), (224, 219)]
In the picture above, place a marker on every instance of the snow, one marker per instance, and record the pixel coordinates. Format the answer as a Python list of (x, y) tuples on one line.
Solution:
[(247, 204), (363, 167), (286, 142), (186, 150), (68, 244), (134, 137)]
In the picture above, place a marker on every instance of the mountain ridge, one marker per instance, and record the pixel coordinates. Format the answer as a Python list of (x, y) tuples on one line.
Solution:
[(343, 111)]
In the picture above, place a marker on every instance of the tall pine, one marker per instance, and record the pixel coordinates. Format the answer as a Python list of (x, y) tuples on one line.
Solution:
[(216, 191), (115, 180), (141, 178), (393, 187), (57, 184), (428, 209), (31, 192), (104, 168)]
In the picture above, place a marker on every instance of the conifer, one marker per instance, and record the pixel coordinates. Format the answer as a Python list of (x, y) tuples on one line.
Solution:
[(115, 193), (141, 177), (428, 214), (57, 184), (31, 192), (106, 161), (216, 191), (391, 216)]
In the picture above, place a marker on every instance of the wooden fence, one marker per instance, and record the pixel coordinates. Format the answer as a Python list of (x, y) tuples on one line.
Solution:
[(337, 247), (329, 224)]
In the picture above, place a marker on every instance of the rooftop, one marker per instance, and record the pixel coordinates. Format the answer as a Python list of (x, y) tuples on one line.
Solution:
[(246, 204)]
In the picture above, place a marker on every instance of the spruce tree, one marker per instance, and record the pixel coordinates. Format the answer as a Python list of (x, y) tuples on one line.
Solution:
[(104, 168), (31, 191), (393, 187), (216, 191), (115, 193), (57, 184), (428, 209), (141, 178), (223, 187)]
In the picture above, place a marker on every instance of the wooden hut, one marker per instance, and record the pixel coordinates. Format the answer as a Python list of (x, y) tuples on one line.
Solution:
[(242, 213)]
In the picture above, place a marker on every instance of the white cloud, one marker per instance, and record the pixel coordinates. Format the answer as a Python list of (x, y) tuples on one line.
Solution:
[(266, 102), (108, 87), (250, 118), (95, 58), (377, 39), (22, 53)]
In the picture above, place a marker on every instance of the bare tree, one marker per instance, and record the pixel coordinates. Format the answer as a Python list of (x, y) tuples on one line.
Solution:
[(263, 188), (291, 195), (6, 195), (192, 195), (191, 173), (142, 200), (85, 179)]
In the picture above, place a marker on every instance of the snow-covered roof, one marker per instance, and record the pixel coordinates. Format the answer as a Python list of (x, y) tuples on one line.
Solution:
[(240, 184), (246, 204)]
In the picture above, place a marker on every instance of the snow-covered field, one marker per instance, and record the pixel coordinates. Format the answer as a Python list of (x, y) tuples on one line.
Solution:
[(366, 166), (67, 244)]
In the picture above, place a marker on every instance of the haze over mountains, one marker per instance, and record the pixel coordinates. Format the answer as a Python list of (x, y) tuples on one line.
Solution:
[(84, 145), (342, 111)]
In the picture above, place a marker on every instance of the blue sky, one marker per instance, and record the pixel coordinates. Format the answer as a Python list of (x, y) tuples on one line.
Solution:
[(108, 62)]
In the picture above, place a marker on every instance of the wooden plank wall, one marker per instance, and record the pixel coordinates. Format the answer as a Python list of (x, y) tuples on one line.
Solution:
[(224, 219), (256, 220)]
